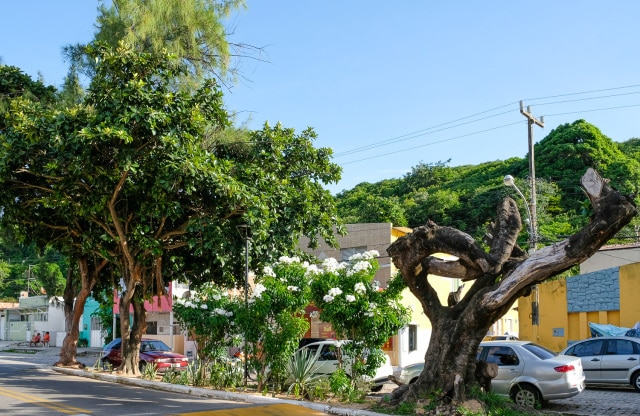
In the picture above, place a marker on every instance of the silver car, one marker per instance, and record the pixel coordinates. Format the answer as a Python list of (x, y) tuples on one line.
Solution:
[(609, 360), (531, 374), (410, 373)]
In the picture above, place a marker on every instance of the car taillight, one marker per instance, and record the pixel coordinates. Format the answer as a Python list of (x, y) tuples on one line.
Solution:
[(564, 368)]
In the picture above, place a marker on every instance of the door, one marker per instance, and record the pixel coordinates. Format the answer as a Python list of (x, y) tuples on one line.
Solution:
[(590, 353), (620, 356), (509, 364)]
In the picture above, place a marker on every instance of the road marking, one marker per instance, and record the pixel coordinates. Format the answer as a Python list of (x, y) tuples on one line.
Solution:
[(35, 400), (267, 410)]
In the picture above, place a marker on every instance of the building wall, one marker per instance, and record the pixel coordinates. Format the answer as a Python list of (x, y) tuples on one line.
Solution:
[(608, 296)]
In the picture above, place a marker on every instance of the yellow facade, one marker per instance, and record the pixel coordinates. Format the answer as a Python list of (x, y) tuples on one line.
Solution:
[(557, 326)]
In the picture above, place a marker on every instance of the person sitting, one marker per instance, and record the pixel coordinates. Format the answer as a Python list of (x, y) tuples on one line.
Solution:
[(35, 340), (45, 339)]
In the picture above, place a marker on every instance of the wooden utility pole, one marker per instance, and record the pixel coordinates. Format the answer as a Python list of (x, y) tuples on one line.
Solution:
[(533, 227)]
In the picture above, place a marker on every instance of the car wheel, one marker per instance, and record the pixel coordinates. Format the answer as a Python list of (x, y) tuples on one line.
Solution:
[(526, 395), (376, 388), (142, 365), (635, 380), (413, 380), (106, 364)]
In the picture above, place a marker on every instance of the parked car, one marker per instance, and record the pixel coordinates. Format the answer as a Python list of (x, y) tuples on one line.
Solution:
[(531, 374), (500, 338), (410, 373), (326, 354), (152, 352), (609, 360)]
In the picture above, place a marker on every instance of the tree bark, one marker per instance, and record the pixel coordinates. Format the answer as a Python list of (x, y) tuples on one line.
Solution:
[(500, 276), (74, 308)]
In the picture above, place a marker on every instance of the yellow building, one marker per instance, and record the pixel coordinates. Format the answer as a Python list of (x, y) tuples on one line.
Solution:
[(566, 307)]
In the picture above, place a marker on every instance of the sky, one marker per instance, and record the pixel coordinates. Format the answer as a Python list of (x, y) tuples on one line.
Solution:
[(390, 85)]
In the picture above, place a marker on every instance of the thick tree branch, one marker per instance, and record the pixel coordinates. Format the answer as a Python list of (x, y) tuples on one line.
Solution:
[(611, 212)]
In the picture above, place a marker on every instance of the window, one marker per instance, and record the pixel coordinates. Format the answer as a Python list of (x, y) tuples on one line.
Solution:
[(152, 328), (586, 349), (619, 347), (413, 337), (502, 356)]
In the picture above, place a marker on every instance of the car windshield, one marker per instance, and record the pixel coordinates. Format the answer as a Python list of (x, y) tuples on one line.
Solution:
[(539, 351), (154, 345)]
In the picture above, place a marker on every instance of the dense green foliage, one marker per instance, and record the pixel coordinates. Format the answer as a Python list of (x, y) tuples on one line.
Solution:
[(465, 197)]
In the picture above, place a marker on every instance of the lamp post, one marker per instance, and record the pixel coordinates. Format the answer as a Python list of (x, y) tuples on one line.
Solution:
[(244, 233), (531, 213), (533, 238)]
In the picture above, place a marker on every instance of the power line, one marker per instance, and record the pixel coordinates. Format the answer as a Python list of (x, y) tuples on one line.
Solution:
[(454, 123)]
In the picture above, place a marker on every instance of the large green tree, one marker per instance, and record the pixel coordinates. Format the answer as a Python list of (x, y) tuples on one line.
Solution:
[(142, 181)]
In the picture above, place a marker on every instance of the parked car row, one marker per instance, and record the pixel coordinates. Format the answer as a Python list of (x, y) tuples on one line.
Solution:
[(531, 374)]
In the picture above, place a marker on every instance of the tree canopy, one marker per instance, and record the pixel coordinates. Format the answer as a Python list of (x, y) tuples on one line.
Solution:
[(136, 175)]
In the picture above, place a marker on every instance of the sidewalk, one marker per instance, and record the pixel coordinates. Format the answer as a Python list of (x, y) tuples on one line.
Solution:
[(47, 356)]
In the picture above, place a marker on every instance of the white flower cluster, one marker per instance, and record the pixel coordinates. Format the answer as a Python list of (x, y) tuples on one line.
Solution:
[(333, 292), (332, 265), (367, 255), (293, 288), (360, 288), (312, 270), (187, 303), (268, 271), (289, 260), (359, 266), (257, 292), (222, 312), (350, 298)]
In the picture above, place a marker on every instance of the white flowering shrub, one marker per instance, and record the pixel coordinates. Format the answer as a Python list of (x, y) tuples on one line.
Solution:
[(274, 321), (353, 303), (208, 316)]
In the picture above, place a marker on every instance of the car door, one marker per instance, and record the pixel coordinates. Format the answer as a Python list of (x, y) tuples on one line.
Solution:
[(510, 366), (619, 357), (590, 353)]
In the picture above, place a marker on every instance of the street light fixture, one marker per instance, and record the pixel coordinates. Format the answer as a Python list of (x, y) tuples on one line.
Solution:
[(509, 181)]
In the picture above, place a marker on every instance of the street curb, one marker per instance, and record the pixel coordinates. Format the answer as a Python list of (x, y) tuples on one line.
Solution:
[(212, 394)]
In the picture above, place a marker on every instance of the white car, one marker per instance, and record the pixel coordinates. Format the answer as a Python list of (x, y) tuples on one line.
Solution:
[(531, 374), (326, 354)]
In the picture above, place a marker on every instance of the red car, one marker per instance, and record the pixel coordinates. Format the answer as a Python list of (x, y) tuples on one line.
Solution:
[(152, 352)]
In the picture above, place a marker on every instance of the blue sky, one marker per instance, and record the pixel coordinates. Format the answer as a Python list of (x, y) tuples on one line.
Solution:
[(388, 85)]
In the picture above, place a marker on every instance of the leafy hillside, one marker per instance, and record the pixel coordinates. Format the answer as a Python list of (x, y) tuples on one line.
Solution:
[(465, 197)]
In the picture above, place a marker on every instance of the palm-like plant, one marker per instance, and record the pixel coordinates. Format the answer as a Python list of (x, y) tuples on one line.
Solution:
[(302, 373)]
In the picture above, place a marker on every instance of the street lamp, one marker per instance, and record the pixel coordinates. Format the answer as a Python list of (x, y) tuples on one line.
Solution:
[(243, 229), (533, 238), (531, 212)]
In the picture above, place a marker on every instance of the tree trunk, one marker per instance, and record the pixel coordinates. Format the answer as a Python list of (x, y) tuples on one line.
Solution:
[(74, 308), (500, 276), (132, 329)]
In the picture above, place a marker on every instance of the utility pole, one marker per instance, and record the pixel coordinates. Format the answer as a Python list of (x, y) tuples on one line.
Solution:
[(531, 120), (533, 237)]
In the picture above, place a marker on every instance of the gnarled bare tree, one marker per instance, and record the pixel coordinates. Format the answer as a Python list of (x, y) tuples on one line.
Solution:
[(500, 276)]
